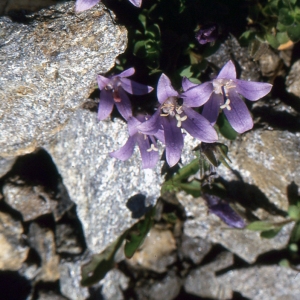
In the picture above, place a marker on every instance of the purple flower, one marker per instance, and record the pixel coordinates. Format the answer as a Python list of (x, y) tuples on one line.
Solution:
[(146, 143), (224, 94), (113, 92), (174, 113), (206, 34), (223, 210), (82, 5)]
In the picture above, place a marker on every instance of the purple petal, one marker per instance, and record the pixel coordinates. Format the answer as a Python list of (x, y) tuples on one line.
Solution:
[(106, 104), (132, 124), (198, 95), (135, 88), (137, 3), (149, 158), (126, 73), (198, 127), (212, 107), (124, 106), (252, 90), (228, 71), (102, 81), (187, 84), (173, 139), (160, 135), (82, 5), (126, 151), (239, 116), (165, 89), (152, 125)]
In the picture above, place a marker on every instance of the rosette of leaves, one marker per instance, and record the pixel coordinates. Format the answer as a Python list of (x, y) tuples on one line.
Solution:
[(275, 21)]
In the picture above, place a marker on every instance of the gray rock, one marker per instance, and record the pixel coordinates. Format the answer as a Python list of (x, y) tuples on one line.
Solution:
[(293, 79), (113, 285), (167, 288), (48, 68), (12, 253), (70, 276), (245, 243), (5, 165), (156, 253), (264, 282), (204, 283), (42, 240), (98, 184)]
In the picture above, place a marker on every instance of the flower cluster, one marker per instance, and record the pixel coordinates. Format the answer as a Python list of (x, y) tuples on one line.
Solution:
[(176, 111), (82, 5)]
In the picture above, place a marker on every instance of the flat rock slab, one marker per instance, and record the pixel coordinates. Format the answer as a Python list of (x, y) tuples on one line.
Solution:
[(245, 243), (48, 68), (100, 185)]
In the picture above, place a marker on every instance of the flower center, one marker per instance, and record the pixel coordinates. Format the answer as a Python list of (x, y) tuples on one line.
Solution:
[(222, 86), (173, 109), (113, 86)]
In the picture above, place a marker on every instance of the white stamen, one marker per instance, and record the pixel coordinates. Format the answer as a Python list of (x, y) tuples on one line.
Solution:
[(152, 148), (180, 119), (226, 104)]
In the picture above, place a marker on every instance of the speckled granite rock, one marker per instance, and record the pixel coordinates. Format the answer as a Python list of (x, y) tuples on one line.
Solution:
[(99, 185), (245, 243), (293, 79), (48, 68), (5, 165)]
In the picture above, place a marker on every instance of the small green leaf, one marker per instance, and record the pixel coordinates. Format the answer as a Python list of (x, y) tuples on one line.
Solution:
[(225, 129), (293, 247), (136, 235), (191, 188), (139, 49), (272, 40), (143, 19), (260, 226), (284, 263), (285, 17), (186, 72), (294, 32), (282, 37), (100, 264), (295, 235), (294, 212), (269, 234)]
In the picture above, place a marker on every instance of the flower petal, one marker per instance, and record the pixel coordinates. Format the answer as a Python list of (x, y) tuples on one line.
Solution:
[(152, 125), (135, 88), (132, 124), (137, 3), (228, 71), (173, 140), (224, 211), (187, 84), (212, 107), (160, 135), (82, 5), (198, 127), (106, 104), (126, 151), (149, 158), (102, 81), (165, 89), (252, 90), (239, 116), (126, 73), (124, 106), (198, 95)]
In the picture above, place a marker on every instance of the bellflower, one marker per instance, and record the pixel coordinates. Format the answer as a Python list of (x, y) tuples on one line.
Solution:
[(82, 5), (146, 143), (224, 94), (174, 113), (207, 34), (113, 92)]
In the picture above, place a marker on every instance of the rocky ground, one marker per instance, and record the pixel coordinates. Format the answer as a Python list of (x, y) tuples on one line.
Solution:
[(62, 199)]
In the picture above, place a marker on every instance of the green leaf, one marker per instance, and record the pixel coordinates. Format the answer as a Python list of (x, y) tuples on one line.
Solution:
[(293, 247), (272, 40), (294, 212), (136, 235), (284, 263), (295, 235), (282, 37), (191, 188), (269, 234), (143, 19), (285, 17), (260, 226), (186, 72), (139, 49), (153, 31), (100, 264), (225, 129), (294, 32)]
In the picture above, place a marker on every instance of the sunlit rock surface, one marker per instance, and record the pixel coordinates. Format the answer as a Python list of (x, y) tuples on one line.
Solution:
[(245, 243), (48, 67), (98, 184)]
